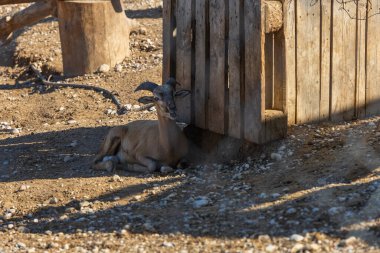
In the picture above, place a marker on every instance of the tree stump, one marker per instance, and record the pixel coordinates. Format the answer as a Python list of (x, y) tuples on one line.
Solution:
[(92, 32)]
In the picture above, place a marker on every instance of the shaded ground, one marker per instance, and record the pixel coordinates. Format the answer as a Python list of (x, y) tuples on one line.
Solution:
[(318, 190)]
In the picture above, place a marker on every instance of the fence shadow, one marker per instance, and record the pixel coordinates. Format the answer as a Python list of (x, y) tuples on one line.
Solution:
[(234, 203)]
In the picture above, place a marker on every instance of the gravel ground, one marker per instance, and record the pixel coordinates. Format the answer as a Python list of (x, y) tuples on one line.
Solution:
[(317, 190)]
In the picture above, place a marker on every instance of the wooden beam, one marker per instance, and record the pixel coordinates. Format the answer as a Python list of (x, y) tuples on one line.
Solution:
[(25, 17), (5, 2), (274, 18)]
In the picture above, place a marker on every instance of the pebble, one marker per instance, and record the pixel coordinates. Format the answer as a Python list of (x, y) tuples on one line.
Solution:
[(291, 210), (15, 131), (296, 237), (168, 244), (24, 187), (276, 156), (298, 247), (53, 200), (104, 68), (71, 122), (67, 159), (201, 201), (119, 68), (270, 248), (350, 240), (335, 210), (116, 178)]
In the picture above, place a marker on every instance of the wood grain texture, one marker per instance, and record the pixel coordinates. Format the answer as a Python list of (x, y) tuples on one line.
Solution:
[(290, 59), (92, 34), (254, 118), (217, 95), (343, 61), (279, 69), (183, 57), (234, 70), (200, 63), (5, 2), (361, 59), (308, 69), (324, 103), (168, 39), (373, 60), (269, 70)]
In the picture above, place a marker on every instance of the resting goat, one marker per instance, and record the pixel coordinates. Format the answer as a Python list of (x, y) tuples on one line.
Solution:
[(147, 145)]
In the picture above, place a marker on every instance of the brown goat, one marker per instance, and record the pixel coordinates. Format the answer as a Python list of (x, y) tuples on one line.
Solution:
[(147, 145)]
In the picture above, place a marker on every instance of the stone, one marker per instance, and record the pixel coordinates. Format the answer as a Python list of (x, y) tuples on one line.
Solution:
[(296, 237), (201, 201), (119, 68), (104, 68), (276, 156)]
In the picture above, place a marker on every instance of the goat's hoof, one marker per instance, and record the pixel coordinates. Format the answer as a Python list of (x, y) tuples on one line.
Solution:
[(166, 169), (109, 166)]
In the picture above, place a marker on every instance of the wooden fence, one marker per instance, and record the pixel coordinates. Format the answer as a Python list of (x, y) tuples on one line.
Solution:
[(248, 82), (332, 59)]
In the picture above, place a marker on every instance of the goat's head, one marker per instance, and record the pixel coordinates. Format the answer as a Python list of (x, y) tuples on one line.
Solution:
[(163, 97)]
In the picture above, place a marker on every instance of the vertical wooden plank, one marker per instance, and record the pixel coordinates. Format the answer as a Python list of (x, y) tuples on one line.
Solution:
[(361, 56), (200, 64), (290, 59), (269, 72), (343, 60), (183, 57), (324, 105), (168, 27), (373, 59), (234, 68), (279, 81), (308, 55), (254, 79), (217, 95)]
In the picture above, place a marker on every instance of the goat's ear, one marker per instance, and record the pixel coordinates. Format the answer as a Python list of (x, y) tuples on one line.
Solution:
[(146, 100), (182, 93)]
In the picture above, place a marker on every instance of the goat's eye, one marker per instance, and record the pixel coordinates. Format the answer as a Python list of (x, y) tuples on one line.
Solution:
[(156, 98)]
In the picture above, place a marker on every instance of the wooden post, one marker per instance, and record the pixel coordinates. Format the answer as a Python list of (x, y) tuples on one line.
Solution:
[(92, 33)]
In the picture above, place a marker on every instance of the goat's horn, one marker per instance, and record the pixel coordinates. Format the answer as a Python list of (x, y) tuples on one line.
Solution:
[(147, 86)]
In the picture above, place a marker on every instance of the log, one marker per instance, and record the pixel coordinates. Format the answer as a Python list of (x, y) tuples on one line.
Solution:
[(274, 18), (92, 33), (28, 16), (5, 2)]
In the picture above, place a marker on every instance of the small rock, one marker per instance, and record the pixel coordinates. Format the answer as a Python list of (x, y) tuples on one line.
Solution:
[(116, 178), (296, 237), (128, 107), (119, 68), (53, 200), (166, 169), (142, 31), (104, 68), (21, 245), (276, 156), (15, 131), (201, 201), (168, 244), (74, 144), (84, 204), (24, 187), (67, 159), (71, 122), (148, 226), (276, 195), (136, 107), (270, 248), (350, 240), (335, 210), (298, 247), (291, 210)]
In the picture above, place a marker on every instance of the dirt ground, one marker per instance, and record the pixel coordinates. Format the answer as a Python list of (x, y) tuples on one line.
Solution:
[(318, 190)]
